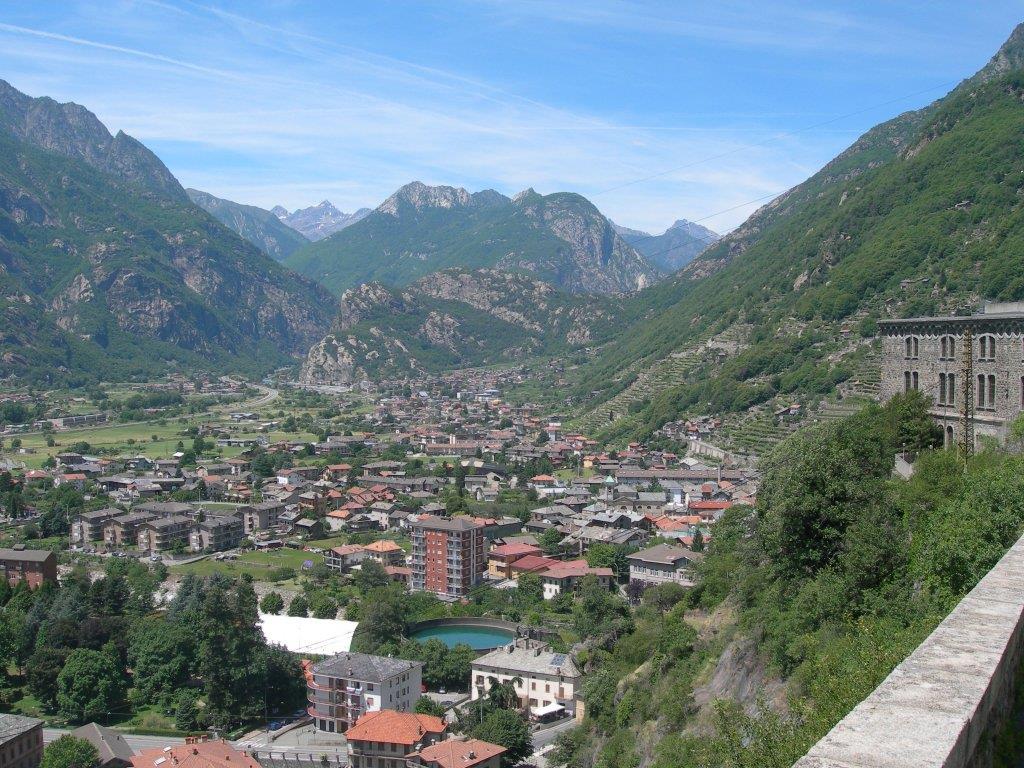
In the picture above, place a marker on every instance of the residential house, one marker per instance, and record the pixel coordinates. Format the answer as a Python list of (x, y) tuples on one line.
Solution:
[(345, 557), (385, 552), (385, 739), (663, 563), (541, 677), (461, 752), (567, 577), (261, 516), (195, 753), (113, 750), (501, 558)]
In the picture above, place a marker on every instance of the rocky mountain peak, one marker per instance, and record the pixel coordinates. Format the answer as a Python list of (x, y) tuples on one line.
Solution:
[(318, 221), (421, 196), (73, 131)]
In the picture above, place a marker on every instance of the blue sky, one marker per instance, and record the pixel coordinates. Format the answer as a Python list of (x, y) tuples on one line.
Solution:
[(654, 110)]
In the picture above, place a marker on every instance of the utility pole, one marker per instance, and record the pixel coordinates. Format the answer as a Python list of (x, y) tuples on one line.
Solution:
[(967, 402)]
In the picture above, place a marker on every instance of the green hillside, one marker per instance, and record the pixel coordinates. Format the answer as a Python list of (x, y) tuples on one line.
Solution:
[(105, 276), (561, 239), (922, 214), (260, 227)]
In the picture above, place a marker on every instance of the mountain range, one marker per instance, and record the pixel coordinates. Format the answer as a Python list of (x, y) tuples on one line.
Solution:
[(674, 248), (318, 221), (451, 319), (108, 269), (260, 227), (560, 238)]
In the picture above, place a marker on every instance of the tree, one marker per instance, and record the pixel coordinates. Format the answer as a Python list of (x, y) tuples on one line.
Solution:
[(371, 574), (186, 711), (299, 606), (427, 706), (89, 687), (383, 619), (42, 670), (159, 653), (272, 602), (698, 541), (550, 541), (69, 752), (509, 729), (322, 605)]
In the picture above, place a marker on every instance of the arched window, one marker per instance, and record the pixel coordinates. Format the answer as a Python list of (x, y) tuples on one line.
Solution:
[(991, 391), (942, 388), (906, 381), (981, 390), (947, 348), (950, 440), (987, 347), (908, 344), (916, 350), (951, 388), (916, 380)]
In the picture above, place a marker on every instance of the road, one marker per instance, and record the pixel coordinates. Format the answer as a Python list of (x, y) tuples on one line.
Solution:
[(546, 736), (135, 741)]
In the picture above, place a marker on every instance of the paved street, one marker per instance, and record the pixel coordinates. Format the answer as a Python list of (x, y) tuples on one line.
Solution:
[(136, 742)]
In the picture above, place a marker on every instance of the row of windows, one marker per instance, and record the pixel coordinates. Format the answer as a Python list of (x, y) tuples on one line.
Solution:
[(947, 347), (985, 388)]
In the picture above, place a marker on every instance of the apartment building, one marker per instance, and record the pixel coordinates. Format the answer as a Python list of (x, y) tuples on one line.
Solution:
[(448, 555), (32, 566), (663, 563), (344, 687), (161, 535), (123, 530), (261, 516), (216, 533), (88, 526), (21, 741)]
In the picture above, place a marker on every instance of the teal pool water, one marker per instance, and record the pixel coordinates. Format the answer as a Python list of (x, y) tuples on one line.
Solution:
[(477, 638)]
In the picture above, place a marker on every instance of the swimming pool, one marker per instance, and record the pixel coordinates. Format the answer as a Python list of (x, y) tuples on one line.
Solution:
[(477, 637)]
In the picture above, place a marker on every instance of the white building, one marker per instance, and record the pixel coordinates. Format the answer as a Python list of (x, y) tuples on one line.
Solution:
[(344, 687), (544, 680)]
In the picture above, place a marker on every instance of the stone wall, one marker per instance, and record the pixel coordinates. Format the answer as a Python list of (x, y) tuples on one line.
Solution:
[(940, 707)]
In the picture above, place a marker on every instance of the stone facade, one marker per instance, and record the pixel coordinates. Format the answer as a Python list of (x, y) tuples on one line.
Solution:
[(926, 354)]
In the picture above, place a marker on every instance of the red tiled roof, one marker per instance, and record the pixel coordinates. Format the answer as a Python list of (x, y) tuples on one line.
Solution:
[(393, 727), (206, 754), (507, 550), (383, 545), (459, 753), (533, 563)]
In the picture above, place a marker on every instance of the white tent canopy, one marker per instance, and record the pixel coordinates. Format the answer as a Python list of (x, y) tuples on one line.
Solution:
[(323, 637), (547, 709)]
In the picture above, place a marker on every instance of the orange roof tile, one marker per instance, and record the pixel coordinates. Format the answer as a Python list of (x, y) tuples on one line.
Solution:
[(393, 727), (459, 753), (206, 754)]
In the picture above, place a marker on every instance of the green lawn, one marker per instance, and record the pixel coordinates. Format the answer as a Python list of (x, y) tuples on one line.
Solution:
[(256, 564)]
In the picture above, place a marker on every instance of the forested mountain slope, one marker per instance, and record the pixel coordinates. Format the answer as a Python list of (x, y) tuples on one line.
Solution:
[(922, 214), (561, 239), (108, 270)]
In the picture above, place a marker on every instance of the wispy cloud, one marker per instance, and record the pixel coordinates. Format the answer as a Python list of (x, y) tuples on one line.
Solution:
[(269, 107)]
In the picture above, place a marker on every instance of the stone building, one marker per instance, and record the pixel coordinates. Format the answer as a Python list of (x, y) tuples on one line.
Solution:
[(927, 354)]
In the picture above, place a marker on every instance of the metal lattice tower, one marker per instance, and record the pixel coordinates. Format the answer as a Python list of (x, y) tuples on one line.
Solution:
[(967, 402)]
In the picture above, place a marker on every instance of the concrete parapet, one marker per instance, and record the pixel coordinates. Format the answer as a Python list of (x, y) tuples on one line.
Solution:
[(938, 708)]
